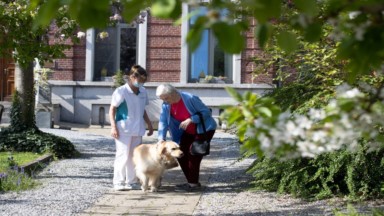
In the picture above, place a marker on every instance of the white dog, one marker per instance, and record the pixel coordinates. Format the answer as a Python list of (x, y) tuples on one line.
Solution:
[(151, 160)]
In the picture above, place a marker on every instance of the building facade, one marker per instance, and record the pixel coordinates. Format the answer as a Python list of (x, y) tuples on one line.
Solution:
[(81, 84)]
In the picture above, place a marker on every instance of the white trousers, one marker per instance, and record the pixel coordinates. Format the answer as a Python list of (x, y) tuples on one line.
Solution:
[(124, 169)]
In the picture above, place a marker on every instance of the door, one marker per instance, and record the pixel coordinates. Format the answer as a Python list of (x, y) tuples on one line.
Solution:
[(7, 79)]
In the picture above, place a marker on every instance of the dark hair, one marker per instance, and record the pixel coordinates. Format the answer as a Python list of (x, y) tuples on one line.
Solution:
[(138, 72)]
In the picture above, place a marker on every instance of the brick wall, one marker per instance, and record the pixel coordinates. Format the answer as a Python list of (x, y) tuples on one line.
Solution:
[(247, 64), (163, 50), (163, 56), (72, 67)]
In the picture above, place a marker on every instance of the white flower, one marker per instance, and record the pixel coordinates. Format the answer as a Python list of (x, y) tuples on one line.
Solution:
[(115, 17), (317, 114), (80, 34), (353, 93), (304, 122), (103, 35), (143, 13), (319, 136)]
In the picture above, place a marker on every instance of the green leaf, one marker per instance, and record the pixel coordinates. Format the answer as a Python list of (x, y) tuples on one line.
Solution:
[(313, 32), (265, 111), (307, 6), (265, 9), (287, 41), (177, 11), (132, 9), (186, 18), (194, 38), (83, 10), (233, 93), (194, 34), (163, 8), (262, 33), (46, 13), (229, 37)]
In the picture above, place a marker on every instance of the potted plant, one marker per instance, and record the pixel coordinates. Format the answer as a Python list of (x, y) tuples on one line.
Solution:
[(119, 79), (103, 73), (209, 79), (202, 77)]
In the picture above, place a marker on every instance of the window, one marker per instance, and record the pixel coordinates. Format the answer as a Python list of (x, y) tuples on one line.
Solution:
[(208, 58), (115, 52), (124, 47)]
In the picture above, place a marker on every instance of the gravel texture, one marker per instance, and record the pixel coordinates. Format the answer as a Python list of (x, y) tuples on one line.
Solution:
[(229, 192), (72, 185), (68, 186)]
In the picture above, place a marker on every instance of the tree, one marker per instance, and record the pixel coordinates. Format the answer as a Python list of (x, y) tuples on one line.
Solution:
[(358, 25), (21, 40), (357, 28)]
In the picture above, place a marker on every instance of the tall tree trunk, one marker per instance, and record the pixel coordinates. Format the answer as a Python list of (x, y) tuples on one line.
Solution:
[(24, 84)]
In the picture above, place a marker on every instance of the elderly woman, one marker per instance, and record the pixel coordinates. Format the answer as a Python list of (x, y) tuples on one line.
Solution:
[(179, 116)]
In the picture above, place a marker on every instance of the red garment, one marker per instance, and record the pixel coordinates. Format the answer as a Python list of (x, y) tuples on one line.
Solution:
[(190, 164), (180, 113)]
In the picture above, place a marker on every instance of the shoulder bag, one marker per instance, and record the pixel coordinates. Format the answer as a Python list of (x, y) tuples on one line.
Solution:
[(202, 146)]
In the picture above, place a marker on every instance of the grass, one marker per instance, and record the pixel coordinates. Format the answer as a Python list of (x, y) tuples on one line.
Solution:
[(12, 179), (19, 158)]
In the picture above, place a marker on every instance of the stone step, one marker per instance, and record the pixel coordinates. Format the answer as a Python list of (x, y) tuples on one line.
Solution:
[(7, 109)]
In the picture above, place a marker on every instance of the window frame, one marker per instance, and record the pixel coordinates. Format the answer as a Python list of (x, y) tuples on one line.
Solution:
[(185, 62), (141, 51)]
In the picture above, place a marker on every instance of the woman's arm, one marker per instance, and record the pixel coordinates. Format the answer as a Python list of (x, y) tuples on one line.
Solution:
[(148, 121), (112, 113), (163, 124)]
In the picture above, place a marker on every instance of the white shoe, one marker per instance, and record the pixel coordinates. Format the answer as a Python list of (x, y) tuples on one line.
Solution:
[(133, 186), (119, 187)]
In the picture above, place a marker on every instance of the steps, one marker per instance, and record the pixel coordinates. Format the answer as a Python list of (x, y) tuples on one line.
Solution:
[(5, 119)]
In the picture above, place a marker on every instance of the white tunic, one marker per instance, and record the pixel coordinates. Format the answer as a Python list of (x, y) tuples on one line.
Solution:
[(130, 116)]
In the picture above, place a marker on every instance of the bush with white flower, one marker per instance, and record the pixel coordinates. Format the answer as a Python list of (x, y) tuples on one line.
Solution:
[(266, 130)]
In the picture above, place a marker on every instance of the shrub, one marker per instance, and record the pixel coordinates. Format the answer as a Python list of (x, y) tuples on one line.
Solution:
[(358, 175), (35, 140), (21, 138)]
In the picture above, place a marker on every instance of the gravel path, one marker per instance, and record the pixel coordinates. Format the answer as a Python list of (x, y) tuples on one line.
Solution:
[(70, 186)]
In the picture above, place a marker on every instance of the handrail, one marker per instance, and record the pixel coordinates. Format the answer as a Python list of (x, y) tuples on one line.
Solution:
[(1, 111)]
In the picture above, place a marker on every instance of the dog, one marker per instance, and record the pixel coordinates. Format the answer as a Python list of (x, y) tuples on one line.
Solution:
[(151, 160)]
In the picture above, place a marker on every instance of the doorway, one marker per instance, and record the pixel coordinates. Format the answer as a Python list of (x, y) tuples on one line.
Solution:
[(7, 79)]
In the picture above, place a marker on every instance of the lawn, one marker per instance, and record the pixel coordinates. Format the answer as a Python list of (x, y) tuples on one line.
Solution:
[(19, 158)]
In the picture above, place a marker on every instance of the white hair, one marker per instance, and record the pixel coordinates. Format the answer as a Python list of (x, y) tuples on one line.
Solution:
[(165, 89)]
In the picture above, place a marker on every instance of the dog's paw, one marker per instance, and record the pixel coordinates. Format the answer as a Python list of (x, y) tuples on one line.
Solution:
[(144, 189), (153, 189)]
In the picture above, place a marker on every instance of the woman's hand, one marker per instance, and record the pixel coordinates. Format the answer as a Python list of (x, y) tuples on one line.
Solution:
[(184, 124), (114, 132), (150, 130)]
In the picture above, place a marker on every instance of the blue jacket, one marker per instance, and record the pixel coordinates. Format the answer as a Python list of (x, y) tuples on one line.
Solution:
[(193, 105)]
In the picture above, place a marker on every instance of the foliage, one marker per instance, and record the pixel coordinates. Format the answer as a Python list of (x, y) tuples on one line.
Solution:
[(34, 140), (10, 159), (20, 138), (119, 79), (15, 180), (352, 211), (28, 42), (358, 175), (23, 42), (316, 75), (356, 25), (15, 114)]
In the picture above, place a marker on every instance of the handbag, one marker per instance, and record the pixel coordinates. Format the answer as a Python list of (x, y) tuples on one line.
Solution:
[(201, 147)]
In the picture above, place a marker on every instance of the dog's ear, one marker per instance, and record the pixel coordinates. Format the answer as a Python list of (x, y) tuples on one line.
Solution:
[(161, 147)]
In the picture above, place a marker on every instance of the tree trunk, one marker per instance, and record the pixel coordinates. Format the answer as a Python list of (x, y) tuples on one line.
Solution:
[(24, 84)]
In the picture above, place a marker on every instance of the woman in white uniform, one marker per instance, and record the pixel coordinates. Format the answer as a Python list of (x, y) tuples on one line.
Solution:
[(128, 117)]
